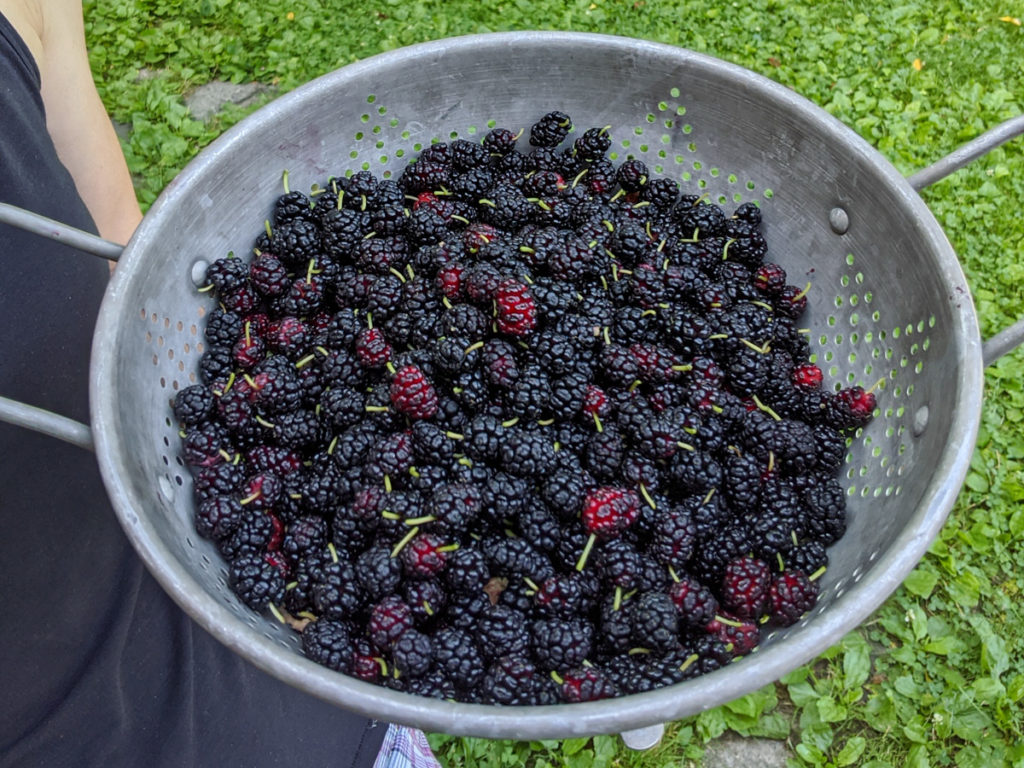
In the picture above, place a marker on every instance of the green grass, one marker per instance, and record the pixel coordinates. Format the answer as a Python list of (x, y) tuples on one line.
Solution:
[(935, 677)]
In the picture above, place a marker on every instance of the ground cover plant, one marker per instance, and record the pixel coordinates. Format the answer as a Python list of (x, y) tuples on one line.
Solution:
[(933, 678)]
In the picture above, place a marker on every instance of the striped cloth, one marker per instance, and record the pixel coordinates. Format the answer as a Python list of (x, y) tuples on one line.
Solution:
[(405, 748)]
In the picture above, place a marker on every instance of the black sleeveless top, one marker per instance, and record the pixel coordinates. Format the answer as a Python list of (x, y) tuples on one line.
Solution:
[(100, 667)]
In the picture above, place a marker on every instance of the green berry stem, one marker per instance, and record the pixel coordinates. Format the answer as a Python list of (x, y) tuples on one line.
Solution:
[(404, 540), (586, 552)]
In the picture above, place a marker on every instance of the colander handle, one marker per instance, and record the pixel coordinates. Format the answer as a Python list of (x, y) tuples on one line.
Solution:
[(1010, 338), (1003, 343), (62, 233), (968, 153), (28, 416), (46, 423)]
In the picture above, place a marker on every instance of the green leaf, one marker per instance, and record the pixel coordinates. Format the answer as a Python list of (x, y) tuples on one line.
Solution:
[(965, 589), (1015, 688), (811, 754), (970, 724), (856, 661), (818, 734), (851, 751), (977, 482), (830, 710), (798, 675), (994, 656), (916, 731), (605, 749), (1015, 753), (802, 693), (988, 690), (745, 705), (918, 621), (921, 581), (572, 746), (972, 756), (941, 646), (712, 723), (583, 759), (905, 684), (917, 757), (770, 725)]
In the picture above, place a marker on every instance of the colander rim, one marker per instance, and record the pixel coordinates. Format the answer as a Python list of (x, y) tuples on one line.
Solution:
[(761, 668)]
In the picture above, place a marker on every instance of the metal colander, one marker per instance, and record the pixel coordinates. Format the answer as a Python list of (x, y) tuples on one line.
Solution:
[(888, 303)]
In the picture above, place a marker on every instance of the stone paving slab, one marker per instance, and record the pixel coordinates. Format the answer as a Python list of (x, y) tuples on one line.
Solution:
[(207, 100), (732, 751)]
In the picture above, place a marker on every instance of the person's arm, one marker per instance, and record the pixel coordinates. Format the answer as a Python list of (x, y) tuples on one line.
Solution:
[(78, 122)]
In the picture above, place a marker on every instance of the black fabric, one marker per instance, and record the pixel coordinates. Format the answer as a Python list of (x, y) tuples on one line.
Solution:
[(99, 667)]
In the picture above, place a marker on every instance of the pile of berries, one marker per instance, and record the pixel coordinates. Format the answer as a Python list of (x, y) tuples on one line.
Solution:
[(519, 426)]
